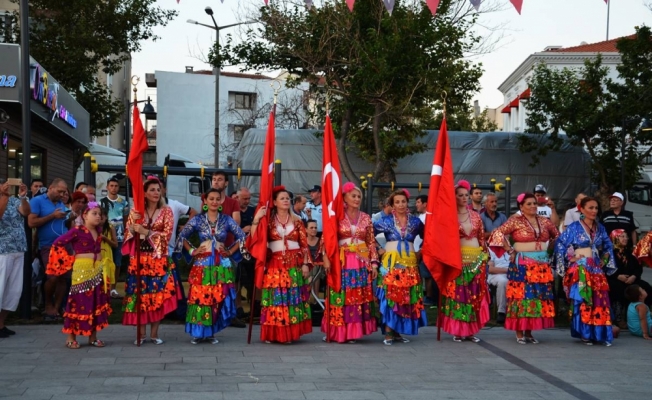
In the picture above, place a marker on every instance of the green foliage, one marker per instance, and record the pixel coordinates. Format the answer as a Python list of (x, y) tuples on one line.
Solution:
[(466, 121), (595, 111), (73, 39), (384, 74)]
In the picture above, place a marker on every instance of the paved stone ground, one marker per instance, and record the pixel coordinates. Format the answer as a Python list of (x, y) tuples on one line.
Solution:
[(34, 364)]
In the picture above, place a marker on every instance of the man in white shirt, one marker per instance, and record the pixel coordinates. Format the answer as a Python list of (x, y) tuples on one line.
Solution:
[(573, 215), (546, 207), (314, 207), (498, 277)]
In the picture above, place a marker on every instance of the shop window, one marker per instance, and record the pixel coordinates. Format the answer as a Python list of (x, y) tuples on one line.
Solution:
[(15, 158), (242, 101)]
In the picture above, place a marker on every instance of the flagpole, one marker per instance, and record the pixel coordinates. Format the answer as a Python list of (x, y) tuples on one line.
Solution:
[(608, 11)]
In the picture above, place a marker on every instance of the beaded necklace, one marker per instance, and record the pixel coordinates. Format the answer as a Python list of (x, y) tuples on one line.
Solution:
[(537, 234), (402, 229)]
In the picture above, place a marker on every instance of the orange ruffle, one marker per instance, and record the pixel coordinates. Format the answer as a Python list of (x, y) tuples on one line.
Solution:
[(76, 331), (537, 272), (284, 334), (60, 261), (149, 266)]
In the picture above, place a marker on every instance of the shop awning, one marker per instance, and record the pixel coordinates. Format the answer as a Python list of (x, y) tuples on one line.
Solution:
[(507, 109), (526, 94), (514, 103)]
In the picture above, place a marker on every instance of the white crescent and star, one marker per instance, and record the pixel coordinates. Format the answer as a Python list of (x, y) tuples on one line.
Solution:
[(436, 170), (328, 169)]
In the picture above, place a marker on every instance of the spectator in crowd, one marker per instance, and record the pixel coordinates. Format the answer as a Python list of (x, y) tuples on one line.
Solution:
[(288, 256), (81, 186), (465, 300), (432, 293), (400, 273), (88, 308), (574, 214), (66, 199), (89, 191), (529, 291), (639, 321), (476, 200), (584, 256), (385, 210), (234, 196), (49, 217), (498, 277), (245, 270), (491, 217), (77, 205), (313, 208), (13, 245), (35, 187), (351, 317), (299, 207), (118, 210), (159, 296), (619, 218), (629, 271), (545, 205)]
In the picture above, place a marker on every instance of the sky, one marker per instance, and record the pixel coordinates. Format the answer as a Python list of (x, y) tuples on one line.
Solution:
[(542, 23)]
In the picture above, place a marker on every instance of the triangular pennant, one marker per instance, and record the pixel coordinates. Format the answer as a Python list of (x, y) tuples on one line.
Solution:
[(266, 2), (476, 4), (350, 4), (432, 5), (308, 4), (518, 4), (389, 5)]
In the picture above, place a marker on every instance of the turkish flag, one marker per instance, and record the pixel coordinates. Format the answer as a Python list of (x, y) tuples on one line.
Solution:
[(518, 4), (135, 163), (257, 241), (332, 200), (441, 249)]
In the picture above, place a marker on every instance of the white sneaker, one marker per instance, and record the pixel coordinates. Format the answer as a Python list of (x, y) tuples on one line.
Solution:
[(156, 341), (213, 340), (195, 340)]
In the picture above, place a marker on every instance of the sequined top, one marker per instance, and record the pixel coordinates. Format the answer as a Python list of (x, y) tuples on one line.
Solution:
[(576, 237), (521, 230), (81, 240), (297, 234), (477, 228), (160, 232), (642, 249), (364, 232), (388, 226), (201, 225)]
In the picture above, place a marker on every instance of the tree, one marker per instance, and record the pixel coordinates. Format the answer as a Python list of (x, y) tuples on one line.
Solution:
[(384, 74), (73, 39), (596, 112), (465, 120)]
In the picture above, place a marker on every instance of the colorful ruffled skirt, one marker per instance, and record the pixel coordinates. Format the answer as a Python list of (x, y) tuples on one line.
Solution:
[(211, 297), (158, 294), (88, 307), (587, 289), (285, 313), (108, 266), (530, 297), (465, 303), (353, 309), (399, 293)]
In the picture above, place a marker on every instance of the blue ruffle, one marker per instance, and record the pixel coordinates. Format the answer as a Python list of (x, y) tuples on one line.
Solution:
[(402, 325), (598, 333), (150, 283), (285, 296), (355, 278), (540, 291), (226, 313)]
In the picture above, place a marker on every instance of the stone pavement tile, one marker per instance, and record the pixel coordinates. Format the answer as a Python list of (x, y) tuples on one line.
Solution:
[(499, 394), (355, 385), (216, 367), (298, 359), (600, 387), (9, 383), (130, 369), (271, 369), (524, 386), (344, 395), (136, 380), (204, 387), (228, 358), (555, 395), (148, 360), (13, 391), (97, 361), (185, 396), (47, 391), (643, 388), (291, 386), (296, 395), (29, 383), (17, 369), (151, 372), (257, 387), (166, 380), (245, 377), (9, 357), (438, 385), (311, 371), (142, 388), (199, 360), (423, 394), (51, 374), (101, 396)]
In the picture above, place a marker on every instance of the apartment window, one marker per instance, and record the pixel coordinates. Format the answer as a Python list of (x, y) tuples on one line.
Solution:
[(242, 101), (238, 132)]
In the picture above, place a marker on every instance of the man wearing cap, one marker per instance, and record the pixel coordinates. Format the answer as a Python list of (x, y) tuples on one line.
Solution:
[(574, 214), (546, 207), (313, 208), (618, 218)]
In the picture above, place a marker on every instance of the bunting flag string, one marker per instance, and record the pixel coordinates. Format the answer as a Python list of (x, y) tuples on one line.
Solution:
[(389, 5), (350, 4), (476, 4), (518, 4), (432, 5)]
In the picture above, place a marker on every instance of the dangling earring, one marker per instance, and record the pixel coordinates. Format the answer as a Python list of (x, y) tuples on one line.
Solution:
[(581, 216), (205, 207)]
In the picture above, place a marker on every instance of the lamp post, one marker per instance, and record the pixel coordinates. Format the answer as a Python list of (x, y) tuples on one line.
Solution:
[(216, 71)]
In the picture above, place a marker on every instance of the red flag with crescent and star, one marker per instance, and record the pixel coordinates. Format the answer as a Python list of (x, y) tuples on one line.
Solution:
[(332, 200), (257, 242), (441, 244), (139, 146)]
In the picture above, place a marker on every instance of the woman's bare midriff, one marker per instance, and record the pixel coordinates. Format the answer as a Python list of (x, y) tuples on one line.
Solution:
[(393, 246), (583, 252), (92, 256), (469, 242), (530, 246)]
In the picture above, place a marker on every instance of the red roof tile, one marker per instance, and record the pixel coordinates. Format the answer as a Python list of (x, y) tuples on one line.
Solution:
[(607, 46)]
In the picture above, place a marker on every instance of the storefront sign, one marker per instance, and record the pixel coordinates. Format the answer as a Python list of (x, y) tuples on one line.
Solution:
[(48, 95), (7, 81)]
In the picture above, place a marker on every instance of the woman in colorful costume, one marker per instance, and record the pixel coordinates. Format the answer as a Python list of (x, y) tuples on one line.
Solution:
[(465, 308), (353, 308), (285, 312), (157, 283), (399, 293), (211, 298), (530, 303), (584, 256), (88, 308)]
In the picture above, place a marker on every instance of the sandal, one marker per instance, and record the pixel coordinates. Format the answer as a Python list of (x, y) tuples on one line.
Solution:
[(458, 339), (74, 345), (142, 340), (115, 295), (521, 340), (97, 343), (587, 342), (388, 341), (531, 339), (474, 339), (156, 341), (401, 339)]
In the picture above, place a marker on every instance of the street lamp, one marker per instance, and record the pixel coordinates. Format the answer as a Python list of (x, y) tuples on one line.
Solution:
[(216, 71)]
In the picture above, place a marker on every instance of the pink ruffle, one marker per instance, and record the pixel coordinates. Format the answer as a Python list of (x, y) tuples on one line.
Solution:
[(529, 324), (148, 317), (352, 331), (461, 328)]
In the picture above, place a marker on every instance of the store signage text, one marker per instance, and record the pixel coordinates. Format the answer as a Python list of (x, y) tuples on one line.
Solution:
[(7, 80), (47, 94)]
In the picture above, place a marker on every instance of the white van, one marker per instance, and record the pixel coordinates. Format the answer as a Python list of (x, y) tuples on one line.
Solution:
[(178, 186), (639, 201)]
